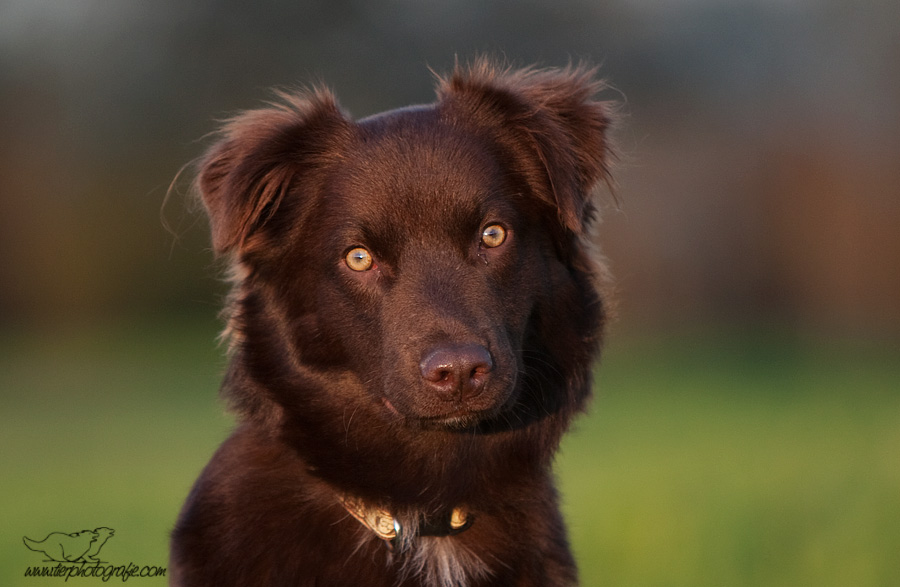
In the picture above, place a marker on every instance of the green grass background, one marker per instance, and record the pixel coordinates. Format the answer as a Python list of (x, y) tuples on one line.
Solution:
[(721, 459)]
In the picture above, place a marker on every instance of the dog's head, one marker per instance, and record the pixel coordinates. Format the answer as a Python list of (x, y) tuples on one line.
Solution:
[(427, 263)]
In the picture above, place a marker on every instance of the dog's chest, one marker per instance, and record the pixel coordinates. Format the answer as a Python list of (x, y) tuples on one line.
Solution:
[(443, 562)]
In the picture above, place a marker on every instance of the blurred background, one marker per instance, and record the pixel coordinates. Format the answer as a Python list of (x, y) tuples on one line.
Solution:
[(746, 426)]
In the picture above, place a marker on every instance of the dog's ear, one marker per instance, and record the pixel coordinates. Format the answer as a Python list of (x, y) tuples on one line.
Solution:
[(554, 113), (260, 157)]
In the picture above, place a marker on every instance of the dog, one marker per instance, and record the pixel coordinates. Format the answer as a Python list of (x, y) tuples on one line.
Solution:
[(414, 316)]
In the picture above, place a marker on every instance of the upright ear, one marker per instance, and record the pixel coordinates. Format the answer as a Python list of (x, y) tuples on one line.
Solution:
[(554, 114), (260, 158)]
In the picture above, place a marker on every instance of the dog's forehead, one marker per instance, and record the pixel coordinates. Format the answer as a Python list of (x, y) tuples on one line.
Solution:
[(413, 159)]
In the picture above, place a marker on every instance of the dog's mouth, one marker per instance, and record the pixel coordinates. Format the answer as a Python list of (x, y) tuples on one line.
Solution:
[(457, 419)]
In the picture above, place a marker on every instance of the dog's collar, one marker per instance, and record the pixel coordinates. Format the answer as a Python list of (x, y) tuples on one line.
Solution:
[(388, 528)]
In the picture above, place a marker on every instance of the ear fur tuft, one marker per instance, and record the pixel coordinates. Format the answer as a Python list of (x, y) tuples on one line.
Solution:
[(260, 155), (555, 111)]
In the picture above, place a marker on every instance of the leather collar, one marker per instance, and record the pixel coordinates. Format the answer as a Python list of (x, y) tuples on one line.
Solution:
[(388, 527)]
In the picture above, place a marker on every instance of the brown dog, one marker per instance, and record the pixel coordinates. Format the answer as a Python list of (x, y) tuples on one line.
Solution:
[(413, 321)]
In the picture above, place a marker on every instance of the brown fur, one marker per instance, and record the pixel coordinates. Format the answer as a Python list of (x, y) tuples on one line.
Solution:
[(331, 371)]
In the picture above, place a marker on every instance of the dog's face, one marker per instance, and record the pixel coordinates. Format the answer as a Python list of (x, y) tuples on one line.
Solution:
[(419, 254), (429, 258)]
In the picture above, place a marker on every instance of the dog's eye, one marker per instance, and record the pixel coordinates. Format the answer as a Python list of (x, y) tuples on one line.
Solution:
[(493, 236), (359, 259)]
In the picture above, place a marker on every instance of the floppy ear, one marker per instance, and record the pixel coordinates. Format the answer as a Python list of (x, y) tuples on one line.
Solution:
[(261, 155), (554, 113)]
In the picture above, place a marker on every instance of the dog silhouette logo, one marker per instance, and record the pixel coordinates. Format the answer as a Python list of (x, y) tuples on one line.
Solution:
[(75, 547)]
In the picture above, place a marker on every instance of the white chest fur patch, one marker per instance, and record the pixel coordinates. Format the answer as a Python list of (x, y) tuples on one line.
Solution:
[(443, 562)]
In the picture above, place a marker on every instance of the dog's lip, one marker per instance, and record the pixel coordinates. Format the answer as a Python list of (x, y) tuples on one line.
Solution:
[(457, 420), (461, 417)]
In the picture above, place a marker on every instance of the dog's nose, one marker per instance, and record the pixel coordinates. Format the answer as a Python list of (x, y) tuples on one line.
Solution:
[(457, 372)]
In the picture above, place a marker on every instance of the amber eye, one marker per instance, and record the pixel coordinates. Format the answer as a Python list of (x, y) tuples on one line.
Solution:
[(493, 236), (359, 259)]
